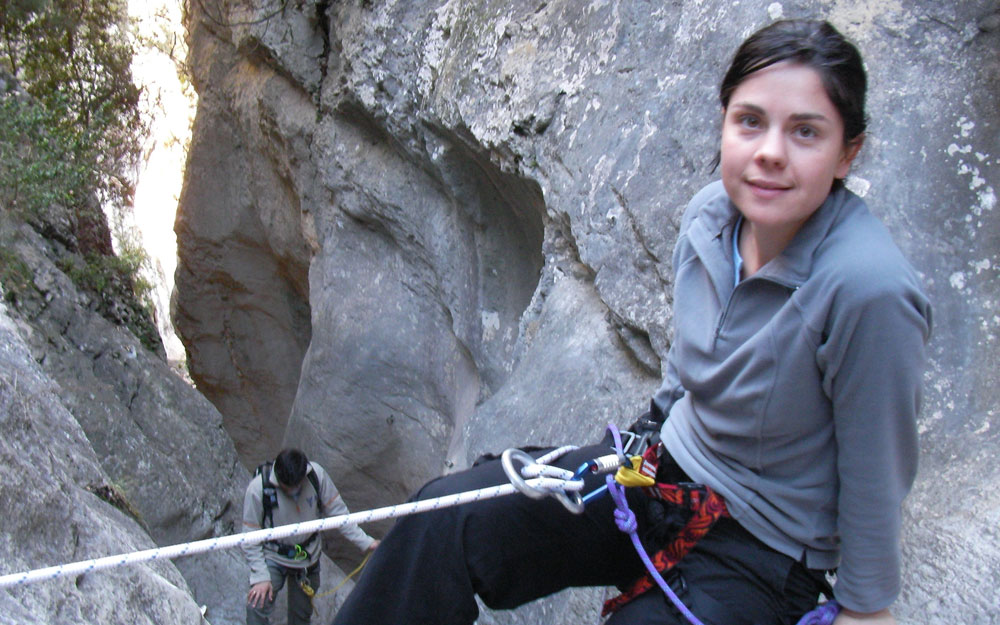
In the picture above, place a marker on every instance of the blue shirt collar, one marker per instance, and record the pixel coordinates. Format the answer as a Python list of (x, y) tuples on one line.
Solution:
[(737, 259)]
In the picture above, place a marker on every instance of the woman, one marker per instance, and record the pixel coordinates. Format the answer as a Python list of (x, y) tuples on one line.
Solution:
[(792, 388)]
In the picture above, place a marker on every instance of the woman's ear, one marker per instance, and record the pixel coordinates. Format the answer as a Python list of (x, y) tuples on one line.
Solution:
[(850, 153)]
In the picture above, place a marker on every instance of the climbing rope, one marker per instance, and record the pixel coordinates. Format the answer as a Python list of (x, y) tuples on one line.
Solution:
[(311, 592), (535, 479), (538, 478), (824, 614)]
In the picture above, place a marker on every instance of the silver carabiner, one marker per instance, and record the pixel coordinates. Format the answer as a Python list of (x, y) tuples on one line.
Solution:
[(572, 503), (514, 475)]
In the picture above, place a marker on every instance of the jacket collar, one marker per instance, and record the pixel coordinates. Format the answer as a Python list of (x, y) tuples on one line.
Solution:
[(711, 234)]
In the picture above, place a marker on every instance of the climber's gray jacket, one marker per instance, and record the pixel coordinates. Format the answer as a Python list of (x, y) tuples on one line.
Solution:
[(795, 394), (289, 510)]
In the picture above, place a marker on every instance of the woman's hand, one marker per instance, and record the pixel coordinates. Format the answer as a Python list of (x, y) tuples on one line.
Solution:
[(850, 617)]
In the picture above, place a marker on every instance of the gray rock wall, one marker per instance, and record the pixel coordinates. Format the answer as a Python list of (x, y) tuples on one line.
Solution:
[(246, 336), (475, 205), (52, 512), (106, 451), (89, 417)]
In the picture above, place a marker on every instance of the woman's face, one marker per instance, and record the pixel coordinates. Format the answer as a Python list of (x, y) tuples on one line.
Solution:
[(782, 147)]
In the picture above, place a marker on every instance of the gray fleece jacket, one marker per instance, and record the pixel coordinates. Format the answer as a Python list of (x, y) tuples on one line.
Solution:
[(795, 394)]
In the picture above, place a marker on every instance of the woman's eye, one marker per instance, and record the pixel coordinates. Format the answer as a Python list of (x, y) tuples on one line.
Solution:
[(749, 121), (806, 132)]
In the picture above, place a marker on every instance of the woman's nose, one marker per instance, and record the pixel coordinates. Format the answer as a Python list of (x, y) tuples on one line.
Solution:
[(772, 150)]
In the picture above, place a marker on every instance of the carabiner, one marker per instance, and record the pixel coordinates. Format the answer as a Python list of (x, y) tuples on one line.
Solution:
[(300, 553), (573, 503)]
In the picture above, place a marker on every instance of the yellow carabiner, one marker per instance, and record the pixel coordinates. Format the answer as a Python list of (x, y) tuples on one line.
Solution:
[(630, 476), (306, 588)]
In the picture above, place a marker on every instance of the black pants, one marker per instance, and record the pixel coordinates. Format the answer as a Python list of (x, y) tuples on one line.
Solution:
[(514, 549)]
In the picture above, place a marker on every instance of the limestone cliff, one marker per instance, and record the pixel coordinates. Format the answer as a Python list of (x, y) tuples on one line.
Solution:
[(93, 421), (414, 231), (106, 450)]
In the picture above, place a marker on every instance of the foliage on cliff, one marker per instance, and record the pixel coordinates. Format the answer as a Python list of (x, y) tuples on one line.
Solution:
[(70, 142), (74, 58)]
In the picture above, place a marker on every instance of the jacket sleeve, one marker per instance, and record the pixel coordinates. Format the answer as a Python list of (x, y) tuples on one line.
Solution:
[(333, 505), (671, 389), (253, 508), (874, 360)]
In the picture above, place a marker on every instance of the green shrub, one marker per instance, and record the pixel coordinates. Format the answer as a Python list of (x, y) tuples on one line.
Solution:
[(70, 140), (40, 161)]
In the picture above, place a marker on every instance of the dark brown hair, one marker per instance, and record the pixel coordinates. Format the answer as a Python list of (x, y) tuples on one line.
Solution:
[(290, 467), (815, 44)]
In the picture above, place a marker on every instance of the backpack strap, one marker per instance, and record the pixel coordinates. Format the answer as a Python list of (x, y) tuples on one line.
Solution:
[(269, 495), (314, 480)]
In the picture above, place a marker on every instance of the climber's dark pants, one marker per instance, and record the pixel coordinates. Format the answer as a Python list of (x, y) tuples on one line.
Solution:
[(513, 549)]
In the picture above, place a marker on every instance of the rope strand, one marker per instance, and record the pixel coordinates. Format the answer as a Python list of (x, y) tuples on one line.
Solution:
[(548, 484)]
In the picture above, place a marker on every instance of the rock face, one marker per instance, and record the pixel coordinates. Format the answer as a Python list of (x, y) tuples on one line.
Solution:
[(106, 451), (412, 232), (52, 514), (89, 414), (56, 486)]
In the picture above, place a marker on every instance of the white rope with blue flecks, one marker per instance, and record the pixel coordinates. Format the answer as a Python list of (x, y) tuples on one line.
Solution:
[(538, 478)]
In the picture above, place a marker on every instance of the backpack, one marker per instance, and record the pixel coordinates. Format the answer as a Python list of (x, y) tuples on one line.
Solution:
[(269, 493)]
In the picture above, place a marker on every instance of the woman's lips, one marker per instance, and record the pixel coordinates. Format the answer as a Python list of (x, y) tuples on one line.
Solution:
[(767, 188)]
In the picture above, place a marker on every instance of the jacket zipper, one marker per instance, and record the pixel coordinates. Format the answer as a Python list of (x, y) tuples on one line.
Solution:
[(729, 302)]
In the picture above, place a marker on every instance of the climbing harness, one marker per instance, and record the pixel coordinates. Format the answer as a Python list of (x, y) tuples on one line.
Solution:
[(706, 506), (707, 509)]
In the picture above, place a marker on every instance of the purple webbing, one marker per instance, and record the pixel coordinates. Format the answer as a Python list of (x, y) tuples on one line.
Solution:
[(625, 520), (822, 615)]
